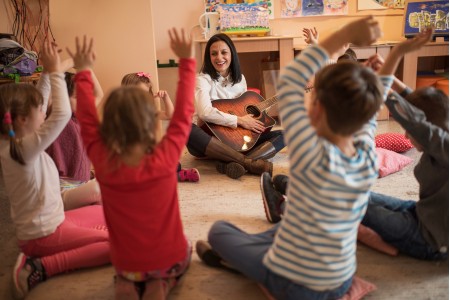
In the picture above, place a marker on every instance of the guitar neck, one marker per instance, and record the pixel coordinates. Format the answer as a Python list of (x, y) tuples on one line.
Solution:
[(268, 103)]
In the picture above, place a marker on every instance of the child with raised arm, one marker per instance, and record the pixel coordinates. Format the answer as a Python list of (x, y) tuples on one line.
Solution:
[(417, 228), (142, 80), (311, 253), (136, 174), (51, 240)]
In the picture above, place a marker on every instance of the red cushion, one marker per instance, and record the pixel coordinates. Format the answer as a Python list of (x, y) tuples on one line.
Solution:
[(390, 162), (396, 142)]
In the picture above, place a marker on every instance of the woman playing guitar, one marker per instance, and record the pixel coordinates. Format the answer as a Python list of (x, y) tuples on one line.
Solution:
[(221, 78)]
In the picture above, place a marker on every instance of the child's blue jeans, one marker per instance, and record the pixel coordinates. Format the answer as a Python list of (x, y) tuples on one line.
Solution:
[(395, 220), (245, 253)]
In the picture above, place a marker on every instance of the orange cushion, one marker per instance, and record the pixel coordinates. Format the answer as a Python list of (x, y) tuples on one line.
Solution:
[(442, 85), (427, 80)]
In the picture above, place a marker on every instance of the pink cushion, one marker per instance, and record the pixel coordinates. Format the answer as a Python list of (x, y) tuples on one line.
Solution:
[(390, 162), (372, 239), (359, 289), (396, 142)]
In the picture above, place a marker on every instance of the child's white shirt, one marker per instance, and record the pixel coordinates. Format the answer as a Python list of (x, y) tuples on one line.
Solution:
[(33, 189)]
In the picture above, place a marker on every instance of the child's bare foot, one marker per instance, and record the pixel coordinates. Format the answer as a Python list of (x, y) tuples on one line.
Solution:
[(125, 289)]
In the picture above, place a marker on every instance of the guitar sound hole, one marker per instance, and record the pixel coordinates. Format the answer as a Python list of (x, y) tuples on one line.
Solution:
[(253, 110)]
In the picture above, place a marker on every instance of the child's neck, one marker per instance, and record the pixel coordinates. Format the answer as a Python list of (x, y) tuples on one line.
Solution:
[(344, 143)]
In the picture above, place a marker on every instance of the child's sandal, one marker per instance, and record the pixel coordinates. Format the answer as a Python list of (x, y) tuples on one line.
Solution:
[(191, 175)]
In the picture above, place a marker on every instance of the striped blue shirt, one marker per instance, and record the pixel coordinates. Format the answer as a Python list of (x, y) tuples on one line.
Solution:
[(328, 191)]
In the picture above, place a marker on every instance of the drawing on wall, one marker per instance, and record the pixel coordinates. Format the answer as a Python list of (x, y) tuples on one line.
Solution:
[(380, 4), (423, 14), (291, 8), (308, 8), (213, 5)]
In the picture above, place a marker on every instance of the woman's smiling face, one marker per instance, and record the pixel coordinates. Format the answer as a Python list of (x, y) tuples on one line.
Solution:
[(220, 55)]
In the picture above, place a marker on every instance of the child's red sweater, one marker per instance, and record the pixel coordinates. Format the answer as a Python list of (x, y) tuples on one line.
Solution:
[(141, 203)]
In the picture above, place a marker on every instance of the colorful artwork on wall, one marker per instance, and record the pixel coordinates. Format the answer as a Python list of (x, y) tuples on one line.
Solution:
[(308, 8), (380, 4), (423, 14), (213, 5)]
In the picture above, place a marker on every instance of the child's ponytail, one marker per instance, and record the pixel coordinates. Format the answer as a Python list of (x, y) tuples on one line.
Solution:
[(14, 149)]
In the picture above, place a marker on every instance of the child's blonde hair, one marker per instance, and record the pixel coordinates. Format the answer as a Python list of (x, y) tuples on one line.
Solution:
[(129, 118), (16, 100), (136, 78)]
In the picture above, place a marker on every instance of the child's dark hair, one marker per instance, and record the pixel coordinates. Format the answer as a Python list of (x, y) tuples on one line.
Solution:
[(129, 118), (348, 55), (16, 99), (235, 68), (350, 94), (434, 103), (136, 78)]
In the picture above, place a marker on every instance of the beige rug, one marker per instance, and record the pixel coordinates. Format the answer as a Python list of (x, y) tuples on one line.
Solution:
[(217, 197)]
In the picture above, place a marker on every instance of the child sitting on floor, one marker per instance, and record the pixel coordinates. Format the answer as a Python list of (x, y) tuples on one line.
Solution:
[(142, 80), (419, 229), (52, 241), (139, 188), (332, 166)]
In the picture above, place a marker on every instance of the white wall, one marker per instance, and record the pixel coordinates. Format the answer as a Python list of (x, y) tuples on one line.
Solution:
[(123, 33)]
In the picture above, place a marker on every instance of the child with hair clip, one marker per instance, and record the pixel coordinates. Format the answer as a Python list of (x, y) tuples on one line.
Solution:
[(139, 188), (416, 228), (51, 240), (142, 80), (311, 253)]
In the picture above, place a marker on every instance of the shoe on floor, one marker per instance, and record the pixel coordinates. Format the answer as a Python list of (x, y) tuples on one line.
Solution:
[(27, 274), (272, 199), (190, 175), (207, 254), (280, 183), (231, 169)]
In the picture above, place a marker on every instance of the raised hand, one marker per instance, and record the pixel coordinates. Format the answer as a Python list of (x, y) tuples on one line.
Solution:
[(180, 44), (311, 36), (363, 32), (417, 42), (399, 50), (84, 56), (375, 62), (50, 57)]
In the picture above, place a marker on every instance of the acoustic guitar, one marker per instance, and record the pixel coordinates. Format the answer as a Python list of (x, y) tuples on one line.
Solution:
[(242, 139)]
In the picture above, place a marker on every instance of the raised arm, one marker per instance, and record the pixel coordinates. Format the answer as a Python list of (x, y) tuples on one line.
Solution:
[(167, 113), (34, 144)]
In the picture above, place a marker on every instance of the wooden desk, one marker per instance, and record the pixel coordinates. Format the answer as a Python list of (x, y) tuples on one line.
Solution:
[(382, 48), (410, 60), (282, 44)]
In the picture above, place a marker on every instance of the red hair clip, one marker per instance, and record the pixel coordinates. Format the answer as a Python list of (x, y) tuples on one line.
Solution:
[(7, 118)]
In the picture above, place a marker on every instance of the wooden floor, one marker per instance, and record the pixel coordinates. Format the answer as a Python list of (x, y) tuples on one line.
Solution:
[(239, 201)]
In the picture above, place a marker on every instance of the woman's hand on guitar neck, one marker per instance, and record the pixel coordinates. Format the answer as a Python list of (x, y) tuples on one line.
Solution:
[(250, 123)]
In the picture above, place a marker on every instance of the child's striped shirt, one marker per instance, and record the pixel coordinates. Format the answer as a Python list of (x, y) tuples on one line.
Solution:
[(328, 191)]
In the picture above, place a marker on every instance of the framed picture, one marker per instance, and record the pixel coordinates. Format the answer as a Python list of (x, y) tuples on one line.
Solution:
[(422, 14)]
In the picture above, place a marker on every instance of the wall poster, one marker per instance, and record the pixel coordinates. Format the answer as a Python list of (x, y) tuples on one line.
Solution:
[(423, 14), (213, 5), (380, 4), (309, 8)]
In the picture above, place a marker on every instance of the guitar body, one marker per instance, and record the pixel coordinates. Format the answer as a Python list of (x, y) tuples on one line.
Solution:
[(240, 139)]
